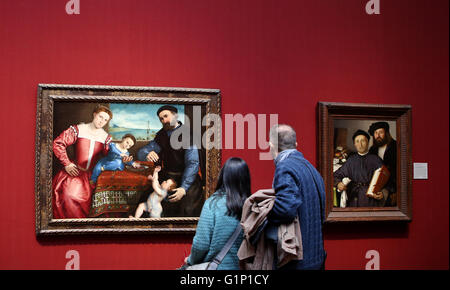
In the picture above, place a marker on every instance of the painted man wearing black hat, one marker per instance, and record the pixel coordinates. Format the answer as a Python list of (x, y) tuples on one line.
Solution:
[(181, 164), (386, 148), (359, 168)]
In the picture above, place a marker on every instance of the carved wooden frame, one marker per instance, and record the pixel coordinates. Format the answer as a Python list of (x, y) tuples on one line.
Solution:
[(48, 94), (401, 114)]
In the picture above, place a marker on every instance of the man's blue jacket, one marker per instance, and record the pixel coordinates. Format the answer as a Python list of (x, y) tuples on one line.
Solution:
[(297, 185)]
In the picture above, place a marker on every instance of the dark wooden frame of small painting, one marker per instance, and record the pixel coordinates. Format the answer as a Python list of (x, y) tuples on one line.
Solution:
[(327, 113)]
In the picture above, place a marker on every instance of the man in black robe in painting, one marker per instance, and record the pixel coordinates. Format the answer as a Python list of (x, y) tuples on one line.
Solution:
[(386, 148), (182, 165), (359, 168)]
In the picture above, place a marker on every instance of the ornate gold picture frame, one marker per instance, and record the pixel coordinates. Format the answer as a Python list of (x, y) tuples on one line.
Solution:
[(60, 107)]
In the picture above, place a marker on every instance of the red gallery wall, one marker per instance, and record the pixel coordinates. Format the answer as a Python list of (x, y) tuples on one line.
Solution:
[(278, 57)]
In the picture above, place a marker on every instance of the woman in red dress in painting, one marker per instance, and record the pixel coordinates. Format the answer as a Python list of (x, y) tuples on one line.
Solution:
[(71, 190)]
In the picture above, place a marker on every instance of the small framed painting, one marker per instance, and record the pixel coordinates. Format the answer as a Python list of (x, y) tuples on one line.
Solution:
[(365, 160)]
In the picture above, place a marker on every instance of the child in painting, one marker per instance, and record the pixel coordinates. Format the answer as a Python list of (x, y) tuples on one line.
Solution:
[(113, 161), (153, 203)]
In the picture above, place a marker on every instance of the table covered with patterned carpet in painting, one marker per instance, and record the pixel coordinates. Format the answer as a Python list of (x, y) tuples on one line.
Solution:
[(118, 193)]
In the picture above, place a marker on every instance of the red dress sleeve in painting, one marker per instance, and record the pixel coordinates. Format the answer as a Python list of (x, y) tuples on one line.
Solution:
[(66, 138)]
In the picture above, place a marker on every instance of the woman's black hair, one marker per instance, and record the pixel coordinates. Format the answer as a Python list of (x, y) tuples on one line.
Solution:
[(234, 181)]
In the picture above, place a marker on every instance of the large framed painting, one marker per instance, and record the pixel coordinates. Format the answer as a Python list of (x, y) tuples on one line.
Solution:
[(124, 160), (364, 153)]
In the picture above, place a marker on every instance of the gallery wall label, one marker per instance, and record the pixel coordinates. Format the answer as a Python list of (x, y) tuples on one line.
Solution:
[(420, 170)]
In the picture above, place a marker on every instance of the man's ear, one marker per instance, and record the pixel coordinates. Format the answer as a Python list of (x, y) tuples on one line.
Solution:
[(296, 144)]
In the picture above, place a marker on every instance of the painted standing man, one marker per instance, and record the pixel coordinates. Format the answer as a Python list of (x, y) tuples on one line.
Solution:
[(180, 164), (360, 168), (386, 148)]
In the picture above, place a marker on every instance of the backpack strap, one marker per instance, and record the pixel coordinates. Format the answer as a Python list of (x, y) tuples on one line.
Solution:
[(219, 257)]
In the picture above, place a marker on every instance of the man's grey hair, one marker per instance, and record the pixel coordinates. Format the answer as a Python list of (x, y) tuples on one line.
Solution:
[(283, 137)]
